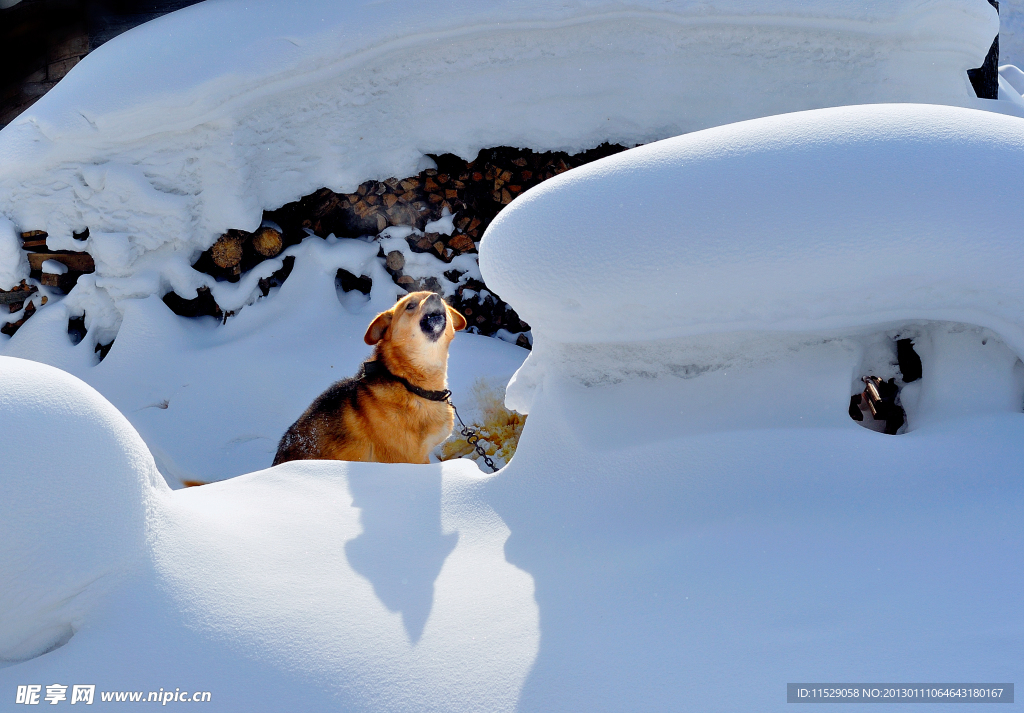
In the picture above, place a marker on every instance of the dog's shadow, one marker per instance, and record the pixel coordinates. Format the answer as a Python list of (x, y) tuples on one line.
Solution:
[(401, 549)]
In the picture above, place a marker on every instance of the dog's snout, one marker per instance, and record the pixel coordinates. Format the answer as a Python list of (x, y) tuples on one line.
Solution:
[(434, 318)]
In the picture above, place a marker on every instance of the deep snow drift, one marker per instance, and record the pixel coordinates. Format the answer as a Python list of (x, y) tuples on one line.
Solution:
[(317, 586), (192, 124), (691, 520), (813, 220), (78, 485)]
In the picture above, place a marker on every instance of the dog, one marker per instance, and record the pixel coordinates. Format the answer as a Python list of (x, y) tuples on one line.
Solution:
[(395, 409)]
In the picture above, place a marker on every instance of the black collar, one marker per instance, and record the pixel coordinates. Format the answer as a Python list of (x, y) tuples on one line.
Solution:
[(376, 368)]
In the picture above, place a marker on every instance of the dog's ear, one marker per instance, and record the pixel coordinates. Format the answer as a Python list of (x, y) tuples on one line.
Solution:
[(458, 321), (375, 332)]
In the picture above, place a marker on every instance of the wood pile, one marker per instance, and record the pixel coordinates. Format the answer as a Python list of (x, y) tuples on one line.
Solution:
[(34, 243), (474, 191), (77, 263), (238, 251), (14, 299)]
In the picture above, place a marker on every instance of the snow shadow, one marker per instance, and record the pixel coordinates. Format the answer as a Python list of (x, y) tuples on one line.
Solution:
[(402, 548)]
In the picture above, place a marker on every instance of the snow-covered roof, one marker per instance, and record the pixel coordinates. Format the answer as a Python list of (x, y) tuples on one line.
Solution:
[(217, 52), (818, 220)]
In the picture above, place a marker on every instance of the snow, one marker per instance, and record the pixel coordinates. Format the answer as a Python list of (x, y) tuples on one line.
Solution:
[(53, 267), (1012, 76), (321, 576), (869, 198), (13, 263), (445, 225), (1011, 32), (181, 128), (73, 519), (691, 519)]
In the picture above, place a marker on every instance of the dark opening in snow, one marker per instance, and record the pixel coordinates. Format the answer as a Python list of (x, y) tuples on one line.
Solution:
[(877, 406)]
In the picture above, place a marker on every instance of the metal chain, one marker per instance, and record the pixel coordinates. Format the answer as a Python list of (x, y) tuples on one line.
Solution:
[(471, 436)]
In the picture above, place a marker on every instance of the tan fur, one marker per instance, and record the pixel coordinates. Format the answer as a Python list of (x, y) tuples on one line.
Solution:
[(376, 419)]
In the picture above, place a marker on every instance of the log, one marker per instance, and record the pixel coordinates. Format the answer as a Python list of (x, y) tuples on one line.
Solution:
[(461, 242), (76, 262), (401, 215), (395, 260), (226, 252), (32, 234), (11, 327), (267, 241), (15, 296)]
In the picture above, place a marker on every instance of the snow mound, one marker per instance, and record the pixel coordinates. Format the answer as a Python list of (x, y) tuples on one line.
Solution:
[(77, 483), (13, 264), (1011, 32), (186, 126), (820, 220)]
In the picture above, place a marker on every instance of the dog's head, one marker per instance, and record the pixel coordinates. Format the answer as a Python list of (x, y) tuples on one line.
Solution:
[(420, 326)]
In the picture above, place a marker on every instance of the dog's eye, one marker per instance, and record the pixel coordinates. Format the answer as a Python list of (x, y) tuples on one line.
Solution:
[(410, 306)]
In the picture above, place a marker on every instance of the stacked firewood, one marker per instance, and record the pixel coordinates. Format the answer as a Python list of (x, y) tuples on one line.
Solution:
[(238, 251), (14, 299), (473, 192), (74, 265)]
